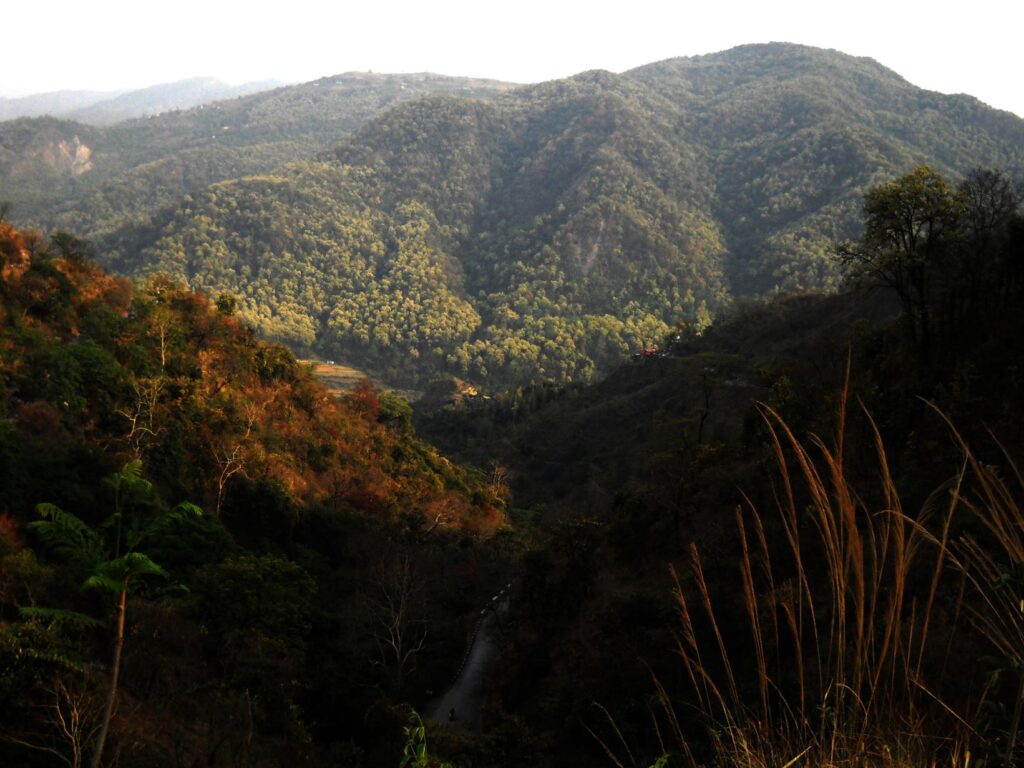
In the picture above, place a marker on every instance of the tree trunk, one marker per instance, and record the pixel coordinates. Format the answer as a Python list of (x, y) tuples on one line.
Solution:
[(115, 672)]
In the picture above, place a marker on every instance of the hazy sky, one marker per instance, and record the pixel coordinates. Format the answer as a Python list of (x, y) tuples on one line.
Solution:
[(963, 47)]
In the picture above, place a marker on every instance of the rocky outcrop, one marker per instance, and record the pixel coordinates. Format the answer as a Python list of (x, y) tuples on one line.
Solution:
[(72, 157), (65, 156)]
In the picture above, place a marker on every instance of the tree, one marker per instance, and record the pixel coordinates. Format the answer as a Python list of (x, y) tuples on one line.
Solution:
[(141, 415), (109, 555), (69, 712), (397, 633), (227, 304), (990, 204), (990, 201), (911, 226), (71, 247)]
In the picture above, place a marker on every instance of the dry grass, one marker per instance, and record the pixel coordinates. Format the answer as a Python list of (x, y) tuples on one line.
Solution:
[(842, 601)]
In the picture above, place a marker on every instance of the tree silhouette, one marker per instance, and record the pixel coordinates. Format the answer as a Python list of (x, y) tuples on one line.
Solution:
[(911, 227), (109, 554)]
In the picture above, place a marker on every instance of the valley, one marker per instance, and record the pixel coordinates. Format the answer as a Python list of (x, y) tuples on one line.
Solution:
[(669, 417)]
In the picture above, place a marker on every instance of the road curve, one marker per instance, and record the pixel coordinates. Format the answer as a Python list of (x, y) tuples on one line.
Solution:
[(466, 694)]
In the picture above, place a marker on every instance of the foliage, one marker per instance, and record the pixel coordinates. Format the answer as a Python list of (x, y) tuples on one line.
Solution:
[(621, 477), (540, 234), (940, 250), (414, 753), (140, 166), (304, 494)]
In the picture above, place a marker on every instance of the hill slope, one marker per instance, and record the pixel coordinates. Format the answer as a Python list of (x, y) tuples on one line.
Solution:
[(52, 103), (165, 97), (141, 164), (565, 224), (108, 107), (795, 134), (117, 402)]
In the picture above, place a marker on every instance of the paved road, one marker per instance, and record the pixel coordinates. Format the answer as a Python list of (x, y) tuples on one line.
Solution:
[(466, 694)]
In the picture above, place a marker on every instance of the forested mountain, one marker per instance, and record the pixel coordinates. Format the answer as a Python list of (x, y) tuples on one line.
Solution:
[(52, 103), (792, 536), (699, 511), (795, 134), (562, 225), (259, 539), (107, 108), (139, 165)]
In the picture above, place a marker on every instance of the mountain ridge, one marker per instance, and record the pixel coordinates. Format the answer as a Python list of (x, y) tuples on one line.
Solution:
[(104, 108), (568, 222)]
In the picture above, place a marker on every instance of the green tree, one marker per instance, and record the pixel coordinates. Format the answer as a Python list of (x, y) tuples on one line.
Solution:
[(71, 247), (227, 304), (911, 227), (109, 554)]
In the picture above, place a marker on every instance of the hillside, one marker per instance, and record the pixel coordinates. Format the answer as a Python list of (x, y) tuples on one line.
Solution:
[(142, 164), (564, 225), (108, 107), (52, 103), (764, 541), (796, 134), (157, 99), (263, 529), (675, 496)]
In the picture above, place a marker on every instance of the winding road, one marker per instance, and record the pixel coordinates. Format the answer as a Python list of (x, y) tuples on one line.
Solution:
[(466, 694)]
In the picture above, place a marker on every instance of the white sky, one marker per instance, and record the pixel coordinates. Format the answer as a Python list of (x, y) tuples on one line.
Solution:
[(962, 47)]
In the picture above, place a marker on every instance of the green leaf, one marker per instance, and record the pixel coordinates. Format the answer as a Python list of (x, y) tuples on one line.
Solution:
[(130, 479), (184, 512), (132, 469), (117, 575), (59, 617), (102, 581), (68, 536), (131, 566)]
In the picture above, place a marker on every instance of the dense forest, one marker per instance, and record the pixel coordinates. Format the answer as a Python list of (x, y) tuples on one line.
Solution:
[(565, 224), (254, 535), (788, 532), (284, 578), (700, 547), (129, 170)]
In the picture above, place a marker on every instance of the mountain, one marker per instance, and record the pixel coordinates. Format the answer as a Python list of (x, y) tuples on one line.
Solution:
[(109, 107), (53, 103), (795, 134), (143, 164), (305, 518), (165, 97), (501, 234), (547, 232), (673, 496)]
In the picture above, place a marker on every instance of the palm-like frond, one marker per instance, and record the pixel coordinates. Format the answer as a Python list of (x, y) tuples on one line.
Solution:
[(129, 480), (117, 575), (162, 523), (68, 536), (59, 617)]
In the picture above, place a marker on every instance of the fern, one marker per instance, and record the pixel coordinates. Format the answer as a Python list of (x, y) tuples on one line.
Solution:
[(67, 536), (117, 574), (59, 617), (184, 512)]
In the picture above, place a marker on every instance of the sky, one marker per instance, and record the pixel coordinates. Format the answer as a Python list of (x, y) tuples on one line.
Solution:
[(119, 44)]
